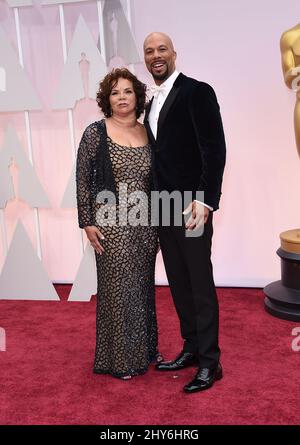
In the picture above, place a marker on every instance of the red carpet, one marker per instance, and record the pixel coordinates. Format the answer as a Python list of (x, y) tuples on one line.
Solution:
[(46, 372)]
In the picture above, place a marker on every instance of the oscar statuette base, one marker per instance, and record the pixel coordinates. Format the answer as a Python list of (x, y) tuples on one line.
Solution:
[(283, 297)]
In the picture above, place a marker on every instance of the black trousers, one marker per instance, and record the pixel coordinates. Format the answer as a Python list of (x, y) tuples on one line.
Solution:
[(190, 274)]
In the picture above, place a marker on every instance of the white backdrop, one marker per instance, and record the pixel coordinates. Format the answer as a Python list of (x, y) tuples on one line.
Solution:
[(234, 46)]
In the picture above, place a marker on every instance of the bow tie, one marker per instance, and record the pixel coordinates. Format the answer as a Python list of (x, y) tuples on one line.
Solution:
[(157, 89)]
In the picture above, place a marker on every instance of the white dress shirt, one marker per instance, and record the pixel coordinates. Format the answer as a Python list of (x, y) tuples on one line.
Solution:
[(157, 104), (159, 100)]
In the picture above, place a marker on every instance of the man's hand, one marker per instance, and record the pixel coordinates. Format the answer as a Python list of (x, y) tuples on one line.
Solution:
[(198, 217), (94, 234)]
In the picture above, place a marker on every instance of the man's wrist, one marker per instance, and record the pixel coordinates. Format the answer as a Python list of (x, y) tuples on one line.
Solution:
[(205, 205)]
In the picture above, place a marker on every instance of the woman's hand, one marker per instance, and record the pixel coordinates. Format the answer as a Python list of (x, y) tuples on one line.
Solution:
[(94, 234)]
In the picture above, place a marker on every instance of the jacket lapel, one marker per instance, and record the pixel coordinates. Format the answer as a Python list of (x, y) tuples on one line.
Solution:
[(169, 102), (147, 124)]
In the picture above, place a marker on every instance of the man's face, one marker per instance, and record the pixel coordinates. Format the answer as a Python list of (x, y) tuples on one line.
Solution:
[(159, 57)]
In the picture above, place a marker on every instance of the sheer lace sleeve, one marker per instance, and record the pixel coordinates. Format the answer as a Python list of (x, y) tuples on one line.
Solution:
[(85, 165)]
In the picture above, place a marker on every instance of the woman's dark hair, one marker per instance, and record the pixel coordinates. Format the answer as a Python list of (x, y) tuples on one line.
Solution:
[(108, 83)]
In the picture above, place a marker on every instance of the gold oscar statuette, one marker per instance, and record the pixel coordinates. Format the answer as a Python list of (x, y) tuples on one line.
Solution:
[(283, 297)]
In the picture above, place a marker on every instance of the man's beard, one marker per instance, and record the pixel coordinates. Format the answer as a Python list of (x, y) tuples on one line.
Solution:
[(162, 76)]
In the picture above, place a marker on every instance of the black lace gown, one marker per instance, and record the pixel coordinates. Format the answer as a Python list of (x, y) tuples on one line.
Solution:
[(126, 326)]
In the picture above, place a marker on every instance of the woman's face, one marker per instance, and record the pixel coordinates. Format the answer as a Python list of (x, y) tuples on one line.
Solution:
[(122, 98)]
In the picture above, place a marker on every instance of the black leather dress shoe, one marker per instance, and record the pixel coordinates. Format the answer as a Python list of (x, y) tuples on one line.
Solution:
[(204, 379), (183, 360)]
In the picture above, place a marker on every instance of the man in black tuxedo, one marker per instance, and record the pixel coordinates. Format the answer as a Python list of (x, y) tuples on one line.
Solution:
[(185, 128)]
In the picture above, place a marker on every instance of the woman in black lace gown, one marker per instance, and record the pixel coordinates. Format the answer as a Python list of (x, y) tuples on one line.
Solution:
[(114, 155)]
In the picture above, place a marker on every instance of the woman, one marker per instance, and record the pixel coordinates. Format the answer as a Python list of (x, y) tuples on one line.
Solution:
[(114, 152)]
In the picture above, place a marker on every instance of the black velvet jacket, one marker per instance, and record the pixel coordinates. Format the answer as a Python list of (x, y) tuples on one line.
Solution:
[(190, 151)]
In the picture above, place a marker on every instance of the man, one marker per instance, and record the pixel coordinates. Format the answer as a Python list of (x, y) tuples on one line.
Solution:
[(185, 128)]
